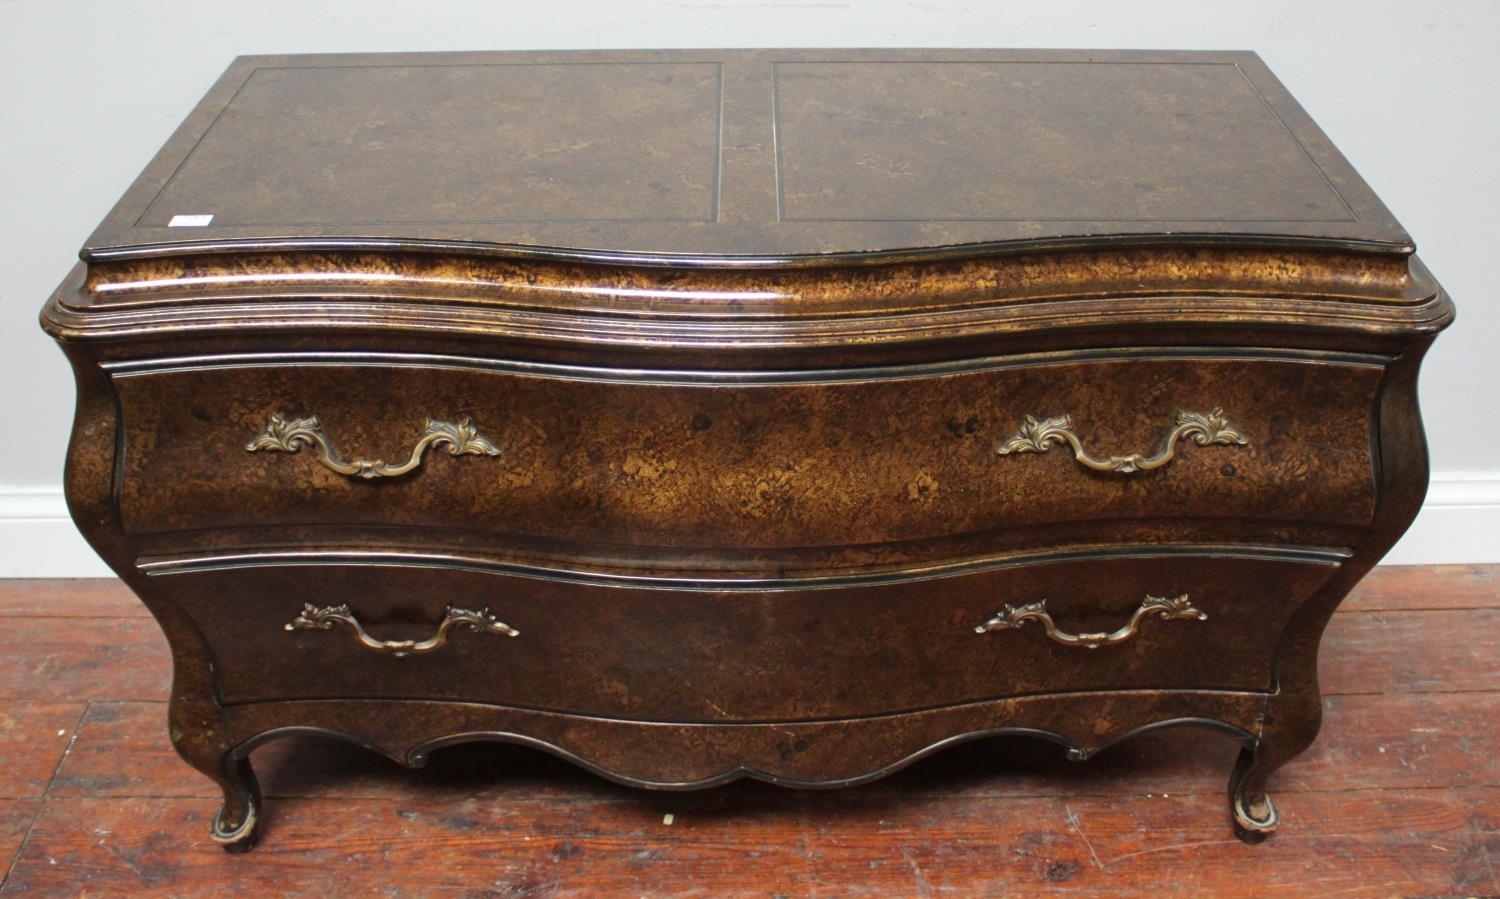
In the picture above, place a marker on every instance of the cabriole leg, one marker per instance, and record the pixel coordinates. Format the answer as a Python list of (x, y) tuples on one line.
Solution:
[(1283, 738), (236, 825)]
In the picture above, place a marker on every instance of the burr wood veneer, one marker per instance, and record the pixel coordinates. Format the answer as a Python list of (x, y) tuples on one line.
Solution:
[(696, 415)]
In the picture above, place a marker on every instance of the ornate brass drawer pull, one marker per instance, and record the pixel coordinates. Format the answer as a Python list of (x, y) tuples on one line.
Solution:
[(323, 618), (290, 435), (1037, 436), (1015, 616)]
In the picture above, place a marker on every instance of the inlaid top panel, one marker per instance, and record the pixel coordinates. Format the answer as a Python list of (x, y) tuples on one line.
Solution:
[(356, 145), (761, 154), (1042, 142)]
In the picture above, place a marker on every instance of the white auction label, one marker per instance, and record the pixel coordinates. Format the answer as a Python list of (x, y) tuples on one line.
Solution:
[(189, 221)]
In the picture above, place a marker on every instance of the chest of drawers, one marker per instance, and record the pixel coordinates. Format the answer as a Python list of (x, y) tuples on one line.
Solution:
[(703, 415)]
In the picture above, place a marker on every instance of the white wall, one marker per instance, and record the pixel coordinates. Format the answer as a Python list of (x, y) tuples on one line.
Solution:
[(89, 90)]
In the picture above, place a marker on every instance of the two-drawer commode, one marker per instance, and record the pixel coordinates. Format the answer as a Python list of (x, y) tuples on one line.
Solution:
[(701, 415)]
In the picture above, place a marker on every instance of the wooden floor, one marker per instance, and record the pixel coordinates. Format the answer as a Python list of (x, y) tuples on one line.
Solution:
[(1399, 796)]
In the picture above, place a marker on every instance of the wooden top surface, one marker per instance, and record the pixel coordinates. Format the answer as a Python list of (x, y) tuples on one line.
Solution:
[(757, 155)]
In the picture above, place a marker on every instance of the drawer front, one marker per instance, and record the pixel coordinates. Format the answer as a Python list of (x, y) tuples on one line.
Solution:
[(740, 655), (748, 466)]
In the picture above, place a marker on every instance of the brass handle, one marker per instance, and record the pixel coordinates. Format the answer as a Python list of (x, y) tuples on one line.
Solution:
[(1015, 616), (1037, 436), (286, 435), (325, 617)]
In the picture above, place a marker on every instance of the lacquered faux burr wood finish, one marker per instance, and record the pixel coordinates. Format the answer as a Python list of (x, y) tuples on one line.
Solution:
[(706, 414), (748, 153)]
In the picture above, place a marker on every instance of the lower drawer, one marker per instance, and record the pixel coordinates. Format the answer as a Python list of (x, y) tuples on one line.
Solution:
[(738, 654)]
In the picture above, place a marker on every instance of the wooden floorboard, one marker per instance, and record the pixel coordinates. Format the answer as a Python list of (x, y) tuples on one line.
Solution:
[(1381, 842), (33, 738), (71, 659), (1411, 651), (1396, 587), (1400, 795), (16, 818), (64, 598)]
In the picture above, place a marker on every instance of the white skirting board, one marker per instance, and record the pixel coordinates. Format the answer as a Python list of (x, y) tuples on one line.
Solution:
[(1460, 523)]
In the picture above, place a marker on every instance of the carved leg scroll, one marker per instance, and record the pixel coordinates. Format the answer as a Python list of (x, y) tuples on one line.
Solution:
[(236, 825), (1287, 732)]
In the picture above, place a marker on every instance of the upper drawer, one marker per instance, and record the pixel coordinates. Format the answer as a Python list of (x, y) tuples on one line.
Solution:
[(746, 461)]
